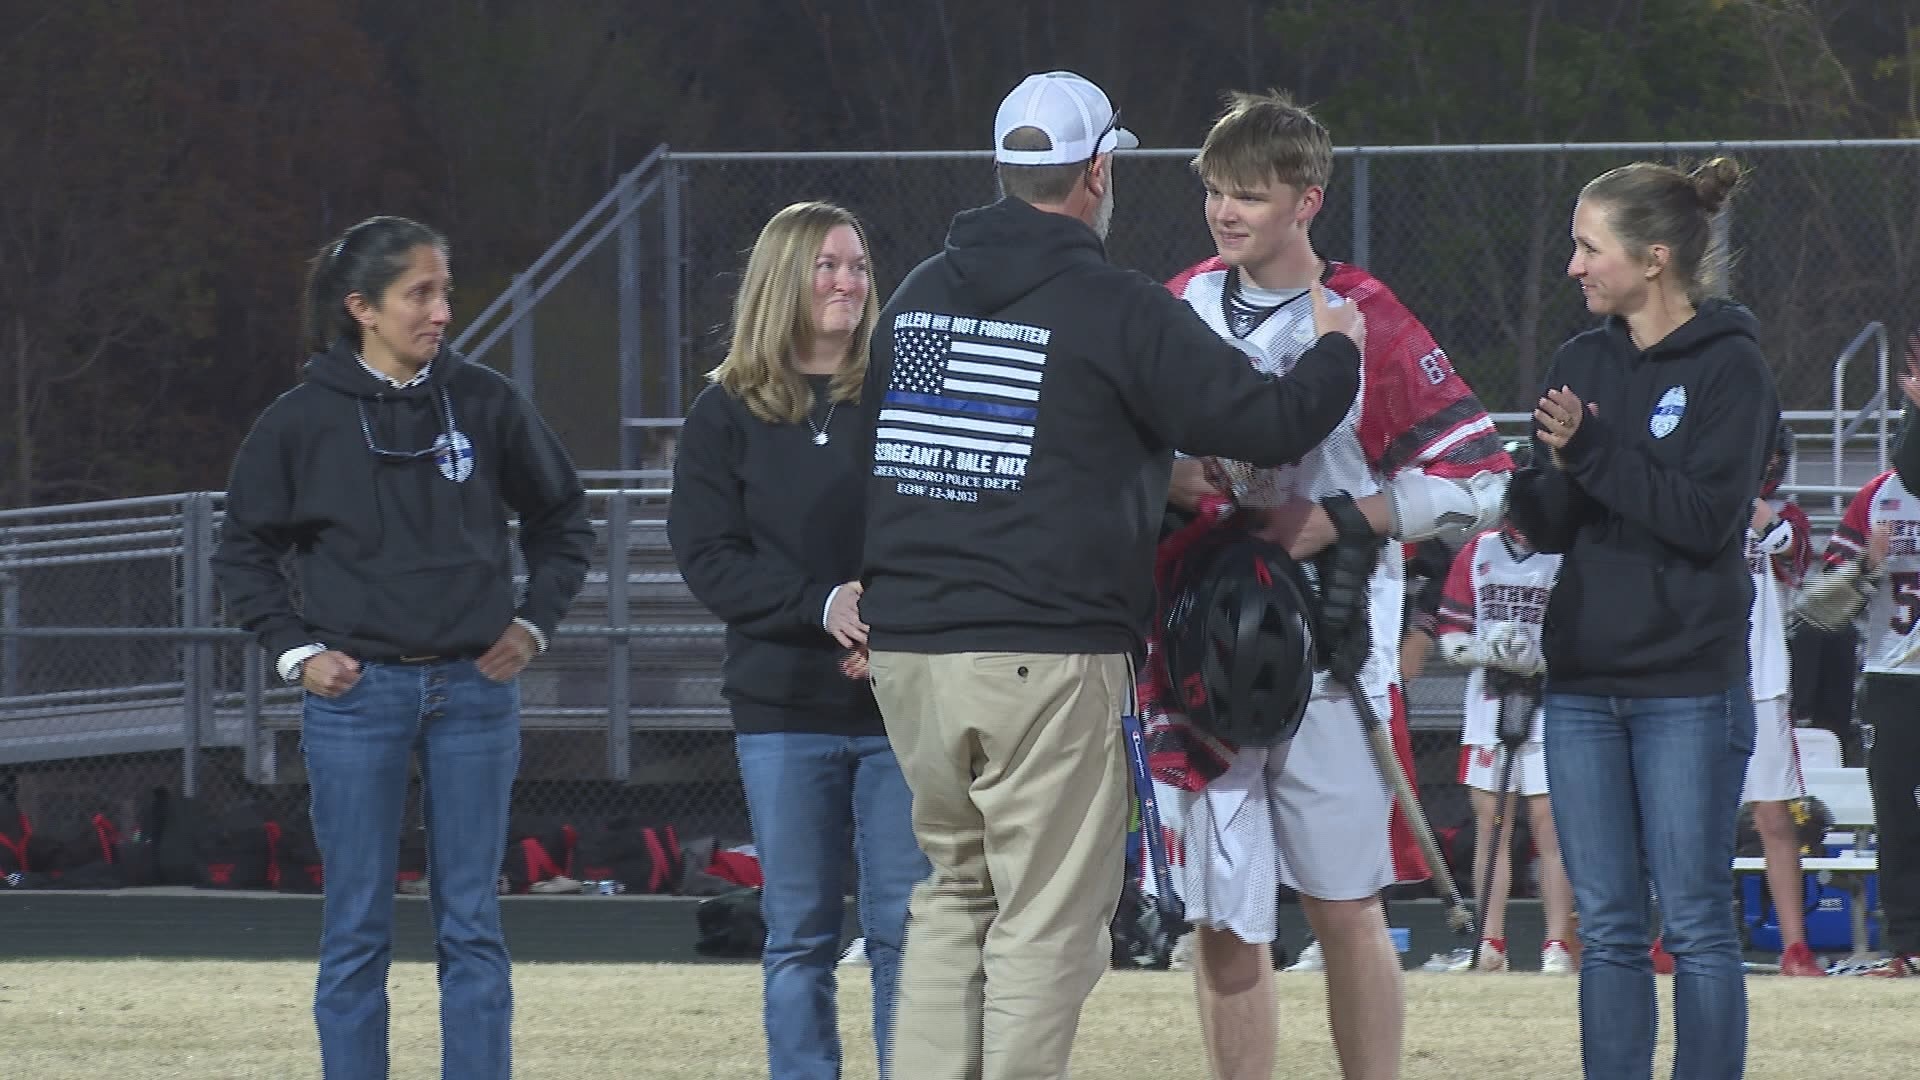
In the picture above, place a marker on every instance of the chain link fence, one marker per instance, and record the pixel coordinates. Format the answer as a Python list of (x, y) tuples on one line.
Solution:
[(1473, 239)]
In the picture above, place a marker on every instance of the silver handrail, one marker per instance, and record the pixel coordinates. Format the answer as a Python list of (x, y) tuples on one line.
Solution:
[(1877, 333)]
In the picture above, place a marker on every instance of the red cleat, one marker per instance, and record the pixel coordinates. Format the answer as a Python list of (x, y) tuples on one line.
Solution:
[(1799, 961), (1662, 959)]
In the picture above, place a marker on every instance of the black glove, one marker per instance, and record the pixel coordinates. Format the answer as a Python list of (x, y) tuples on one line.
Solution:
[(1345, 572)]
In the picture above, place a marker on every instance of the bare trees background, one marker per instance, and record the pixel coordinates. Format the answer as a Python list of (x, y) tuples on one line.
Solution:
[(167, 165)]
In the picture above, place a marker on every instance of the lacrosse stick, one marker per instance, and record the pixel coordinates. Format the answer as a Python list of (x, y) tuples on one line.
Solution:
[(1519, 698), (1166, 903)]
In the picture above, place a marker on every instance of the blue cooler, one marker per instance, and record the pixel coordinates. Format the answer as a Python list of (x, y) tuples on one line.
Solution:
[(1829, 911)]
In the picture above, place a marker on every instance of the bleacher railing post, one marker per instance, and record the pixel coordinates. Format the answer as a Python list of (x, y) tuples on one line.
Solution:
[(619, 647), (10, 679), (633, 390), (260, 764), (196, 613), (672, 315)]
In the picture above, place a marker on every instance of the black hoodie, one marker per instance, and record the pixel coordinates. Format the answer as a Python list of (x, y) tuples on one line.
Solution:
[(765, 523), (398, 555), (1906, 450), (1025, 399), (1652, 506)]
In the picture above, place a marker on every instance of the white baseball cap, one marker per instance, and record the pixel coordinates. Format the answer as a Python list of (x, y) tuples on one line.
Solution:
[(1075, 115)]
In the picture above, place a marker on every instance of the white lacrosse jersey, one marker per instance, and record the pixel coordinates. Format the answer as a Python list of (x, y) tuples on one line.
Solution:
[(1493, 584), (1411, 411), (1895, 609), (1772, 596)]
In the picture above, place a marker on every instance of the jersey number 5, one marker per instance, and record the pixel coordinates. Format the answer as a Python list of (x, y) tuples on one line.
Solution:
[(1906, 601)]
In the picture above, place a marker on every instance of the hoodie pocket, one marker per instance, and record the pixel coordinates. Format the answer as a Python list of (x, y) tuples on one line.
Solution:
[(455, 607), (1625, 616)]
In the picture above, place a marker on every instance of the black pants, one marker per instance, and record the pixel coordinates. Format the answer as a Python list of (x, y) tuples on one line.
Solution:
[(1892, 705), (1824, 665)]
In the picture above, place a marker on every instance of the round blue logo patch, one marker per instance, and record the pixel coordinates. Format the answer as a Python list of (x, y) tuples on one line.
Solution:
[(1667, 414), (454, 454)]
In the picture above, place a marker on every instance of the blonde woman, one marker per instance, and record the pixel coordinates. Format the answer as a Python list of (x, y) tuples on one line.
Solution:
[(766, 525)]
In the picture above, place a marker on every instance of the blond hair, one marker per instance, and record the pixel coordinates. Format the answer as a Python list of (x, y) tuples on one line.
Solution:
[(1647, 203), (772, 318), (1263, 137)]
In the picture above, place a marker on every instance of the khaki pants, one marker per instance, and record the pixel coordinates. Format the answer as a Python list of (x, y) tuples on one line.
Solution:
[(1020, 799)]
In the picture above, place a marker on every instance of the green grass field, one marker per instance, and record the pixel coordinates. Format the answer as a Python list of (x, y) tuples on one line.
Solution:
[(72, 1020)]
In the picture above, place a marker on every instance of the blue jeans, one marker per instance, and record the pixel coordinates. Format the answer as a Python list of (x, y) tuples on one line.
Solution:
[(1647, 789), (465, 730), (808, 795)]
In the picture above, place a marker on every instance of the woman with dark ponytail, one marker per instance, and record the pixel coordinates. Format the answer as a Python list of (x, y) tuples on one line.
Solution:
[(388, 475), (1651, 440)]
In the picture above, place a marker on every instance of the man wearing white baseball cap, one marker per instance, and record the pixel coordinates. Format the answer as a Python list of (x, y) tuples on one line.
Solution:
[(1071, 112), (1023, 400)]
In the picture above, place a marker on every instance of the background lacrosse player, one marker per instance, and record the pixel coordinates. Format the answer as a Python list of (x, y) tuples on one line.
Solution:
[(1872, 566), (1489, 621), (1778, 549), (1417, 454)]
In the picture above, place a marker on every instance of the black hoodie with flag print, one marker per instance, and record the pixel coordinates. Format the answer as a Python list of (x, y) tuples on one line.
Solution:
[(394, 503), (1651, 507), (1024, 399)]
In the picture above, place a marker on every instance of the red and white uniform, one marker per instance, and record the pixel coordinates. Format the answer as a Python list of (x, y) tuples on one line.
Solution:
[(1776, 559), (1895, 609), (1496, 583), (1314, 813)]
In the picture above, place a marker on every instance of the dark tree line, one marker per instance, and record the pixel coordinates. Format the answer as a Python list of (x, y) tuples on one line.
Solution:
[(166, 166)]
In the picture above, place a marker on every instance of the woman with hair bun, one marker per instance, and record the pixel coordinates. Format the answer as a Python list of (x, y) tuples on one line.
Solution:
[(1651, 441)]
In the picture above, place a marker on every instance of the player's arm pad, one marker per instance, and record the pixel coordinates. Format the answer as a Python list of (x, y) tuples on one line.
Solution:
[(1834, 595), (1777, 538), (1462, 650), (1425, 506)]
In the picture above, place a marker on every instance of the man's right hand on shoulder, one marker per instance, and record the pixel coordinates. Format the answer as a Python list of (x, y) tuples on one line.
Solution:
[(329, 674), (1334, 314)]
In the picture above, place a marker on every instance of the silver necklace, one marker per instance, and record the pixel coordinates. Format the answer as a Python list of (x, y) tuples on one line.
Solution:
[(820, 433)]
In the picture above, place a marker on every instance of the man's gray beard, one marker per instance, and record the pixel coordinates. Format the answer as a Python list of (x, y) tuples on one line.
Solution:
[(1103, 216)]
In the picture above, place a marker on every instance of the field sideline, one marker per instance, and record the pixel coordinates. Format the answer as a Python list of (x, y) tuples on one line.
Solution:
[(86, 1019)]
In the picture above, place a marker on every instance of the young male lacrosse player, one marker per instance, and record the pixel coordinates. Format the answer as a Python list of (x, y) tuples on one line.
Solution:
[(1778, 550), (1416, 456), (1490, 616)]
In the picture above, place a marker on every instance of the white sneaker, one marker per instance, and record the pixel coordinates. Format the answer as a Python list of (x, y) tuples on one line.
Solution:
[(1310, 959), (1555, 959), (856, 954), (1493, 958), (1450, 963)]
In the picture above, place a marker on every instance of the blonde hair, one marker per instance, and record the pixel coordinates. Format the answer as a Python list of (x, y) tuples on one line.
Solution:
[(1648, 203), (772, 318), (1262, 137)]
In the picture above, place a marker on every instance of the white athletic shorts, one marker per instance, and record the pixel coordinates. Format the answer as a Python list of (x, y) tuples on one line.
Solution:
[(1480, 768), (1312, 813), (1773, 773)]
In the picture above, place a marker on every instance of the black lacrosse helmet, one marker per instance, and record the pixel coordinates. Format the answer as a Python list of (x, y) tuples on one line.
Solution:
[(1777, 459), (1239, 641), (1812, 821)]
